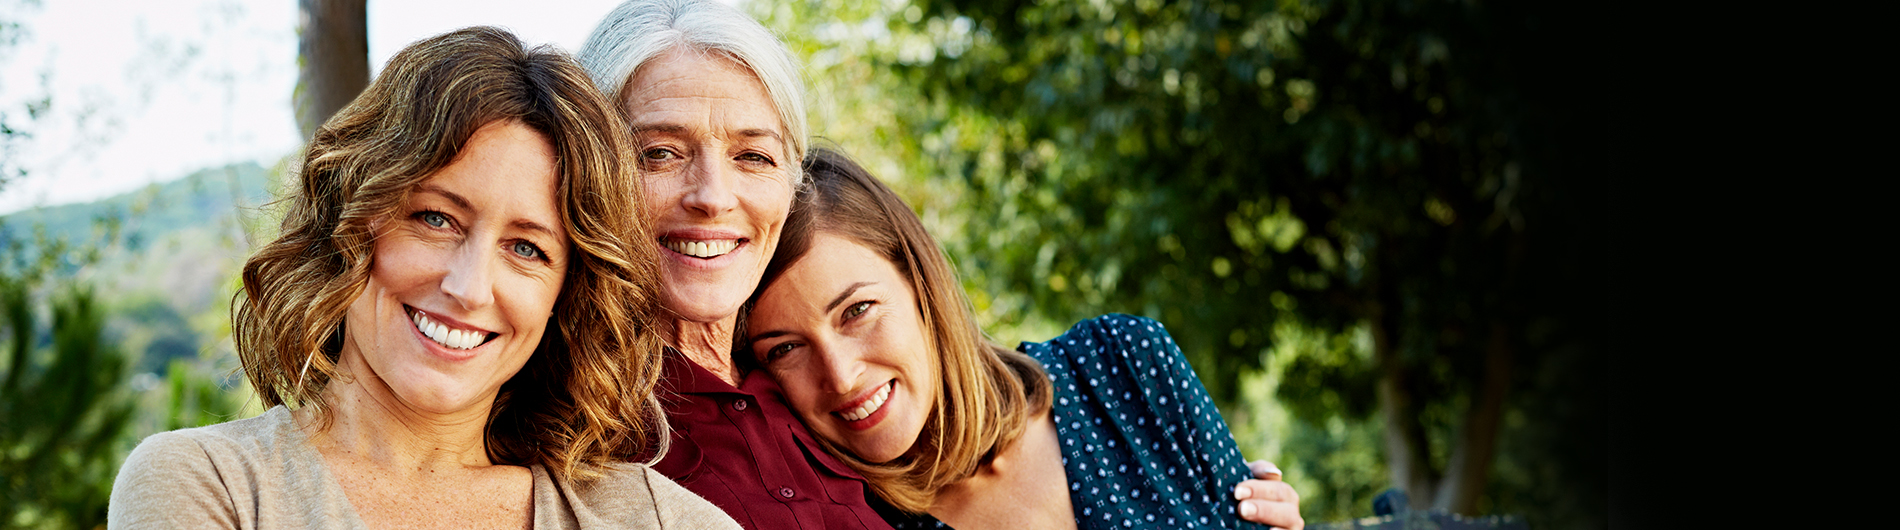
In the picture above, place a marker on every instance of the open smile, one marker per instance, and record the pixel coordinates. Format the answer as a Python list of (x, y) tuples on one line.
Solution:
[(449, 337), (701, 248), (867, 406)]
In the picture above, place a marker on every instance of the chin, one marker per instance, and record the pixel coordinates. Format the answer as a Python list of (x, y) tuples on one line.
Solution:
[(702, 303)]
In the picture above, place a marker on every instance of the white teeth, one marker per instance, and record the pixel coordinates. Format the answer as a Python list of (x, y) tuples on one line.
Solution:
[(702, 249), (455, 339), (871, 405)]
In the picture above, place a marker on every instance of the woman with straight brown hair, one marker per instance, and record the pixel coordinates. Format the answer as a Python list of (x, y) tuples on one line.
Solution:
[(861, 320), (452, 328)]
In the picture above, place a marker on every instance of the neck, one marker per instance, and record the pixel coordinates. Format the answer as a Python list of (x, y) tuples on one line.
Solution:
[(709, 345), (1023, 487), (368, 422)]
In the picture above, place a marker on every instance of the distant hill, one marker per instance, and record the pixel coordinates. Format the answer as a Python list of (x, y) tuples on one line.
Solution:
[(204, 197), (168, 278)]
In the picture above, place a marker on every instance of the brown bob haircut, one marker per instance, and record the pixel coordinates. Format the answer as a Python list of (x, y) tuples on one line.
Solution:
[(989, 392), (586, 394)]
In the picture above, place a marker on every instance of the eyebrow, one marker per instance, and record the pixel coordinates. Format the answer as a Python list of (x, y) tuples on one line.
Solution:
[(846, 294), (671, 128), (462, 202), (767, 133), (659, 127), (833, 305)]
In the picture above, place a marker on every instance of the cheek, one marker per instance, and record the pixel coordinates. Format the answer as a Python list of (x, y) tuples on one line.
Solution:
[(769, 202), (660, 193)]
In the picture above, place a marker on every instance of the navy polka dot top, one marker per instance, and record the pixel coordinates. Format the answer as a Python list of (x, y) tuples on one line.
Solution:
[(1143, 444)]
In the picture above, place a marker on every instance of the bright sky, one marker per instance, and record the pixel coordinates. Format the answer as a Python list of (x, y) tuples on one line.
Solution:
[(146, 91)]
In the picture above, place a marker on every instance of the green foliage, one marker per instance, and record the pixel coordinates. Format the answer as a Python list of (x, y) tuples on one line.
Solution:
[(63, 412), (1398, 179)]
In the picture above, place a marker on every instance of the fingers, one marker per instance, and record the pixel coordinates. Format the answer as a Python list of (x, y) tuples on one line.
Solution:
[(1276, 514), (1266, 490), (1264, 470), (1269, 502)]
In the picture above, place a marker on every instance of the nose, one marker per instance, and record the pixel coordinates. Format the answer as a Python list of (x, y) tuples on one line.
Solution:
[(841, 364), (470, 279), (712, 187)]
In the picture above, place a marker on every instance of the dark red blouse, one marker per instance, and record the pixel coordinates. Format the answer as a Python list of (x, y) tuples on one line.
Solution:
[(745, 451)]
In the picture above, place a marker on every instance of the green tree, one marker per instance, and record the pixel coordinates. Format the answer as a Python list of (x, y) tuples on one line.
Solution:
[(1414, 173), (63, 412)]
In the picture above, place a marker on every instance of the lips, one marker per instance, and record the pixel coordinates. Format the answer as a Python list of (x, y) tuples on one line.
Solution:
[(700, 248), (449, 337), (868, 406)]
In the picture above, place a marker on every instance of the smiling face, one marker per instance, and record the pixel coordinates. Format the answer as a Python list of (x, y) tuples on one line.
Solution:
[(718, 177), (841, 332), (463, 279)]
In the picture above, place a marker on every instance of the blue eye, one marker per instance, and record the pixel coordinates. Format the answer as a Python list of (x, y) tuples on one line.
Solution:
[(526, 250), (435, 219)]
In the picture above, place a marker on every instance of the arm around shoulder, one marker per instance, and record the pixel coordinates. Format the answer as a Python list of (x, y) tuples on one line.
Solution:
[(169, 481)]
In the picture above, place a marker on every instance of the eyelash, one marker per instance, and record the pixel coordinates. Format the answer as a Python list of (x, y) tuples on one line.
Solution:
[(778, 351), (448, 224), (761, 158), (539, 255), (648, 156), (423, 216), (860, 309)]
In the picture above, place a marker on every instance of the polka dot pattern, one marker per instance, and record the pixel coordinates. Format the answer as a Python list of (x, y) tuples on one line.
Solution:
[(1141, 440)]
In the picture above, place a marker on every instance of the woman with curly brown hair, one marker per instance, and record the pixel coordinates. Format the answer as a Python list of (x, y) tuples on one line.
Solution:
[(452, 327)]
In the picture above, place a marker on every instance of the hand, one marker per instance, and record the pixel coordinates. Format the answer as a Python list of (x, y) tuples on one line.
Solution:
[(1267, 500)]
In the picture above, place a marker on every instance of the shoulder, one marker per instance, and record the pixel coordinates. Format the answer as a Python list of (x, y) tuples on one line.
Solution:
[(629, 494), (1107, 343), (189, 477), (1110, 332)]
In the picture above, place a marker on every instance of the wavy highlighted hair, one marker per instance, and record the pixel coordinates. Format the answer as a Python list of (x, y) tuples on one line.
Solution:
[(989, 392), (586, 394)]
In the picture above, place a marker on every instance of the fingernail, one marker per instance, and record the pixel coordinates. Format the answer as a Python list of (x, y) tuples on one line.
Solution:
[(1242, 492), (1247, 509), (1274, 470)]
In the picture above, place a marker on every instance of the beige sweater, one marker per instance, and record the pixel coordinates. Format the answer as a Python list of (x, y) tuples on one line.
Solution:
[(262, 473)]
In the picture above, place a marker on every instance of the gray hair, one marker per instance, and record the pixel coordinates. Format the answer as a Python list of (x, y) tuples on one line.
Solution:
[(639, 30)]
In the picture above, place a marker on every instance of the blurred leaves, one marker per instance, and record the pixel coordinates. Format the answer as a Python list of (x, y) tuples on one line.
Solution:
[(1397, 181), (63, 411)]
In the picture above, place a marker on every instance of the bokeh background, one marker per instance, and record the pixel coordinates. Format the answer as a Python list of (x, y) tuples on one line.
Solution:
[(1375, 227)]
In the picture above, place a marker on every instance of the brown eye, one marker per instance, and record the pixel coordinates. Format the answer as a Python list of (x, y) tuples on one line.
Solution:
[(757, 158), (778, 351), (660, 154)]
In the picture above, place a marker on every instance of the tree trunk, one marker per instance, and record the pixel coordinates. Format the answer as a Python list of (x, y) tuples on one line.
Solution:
[(1407, 456), (333, 43), (1470, 465)]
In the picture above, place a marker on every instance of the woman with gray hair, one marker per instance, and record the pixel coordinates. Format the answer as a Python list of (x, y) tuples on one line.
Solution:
[(716, 107)]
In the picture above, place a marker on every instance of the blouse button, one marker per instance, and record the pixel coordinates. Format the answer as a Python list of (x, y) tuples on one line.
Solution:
[(738, 404), (785, 492)]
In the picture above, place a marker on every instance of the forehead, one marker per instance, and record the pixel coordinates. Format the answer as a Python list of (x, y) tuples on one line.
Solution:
[(685, 87), (830, 265), (505, 168)]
